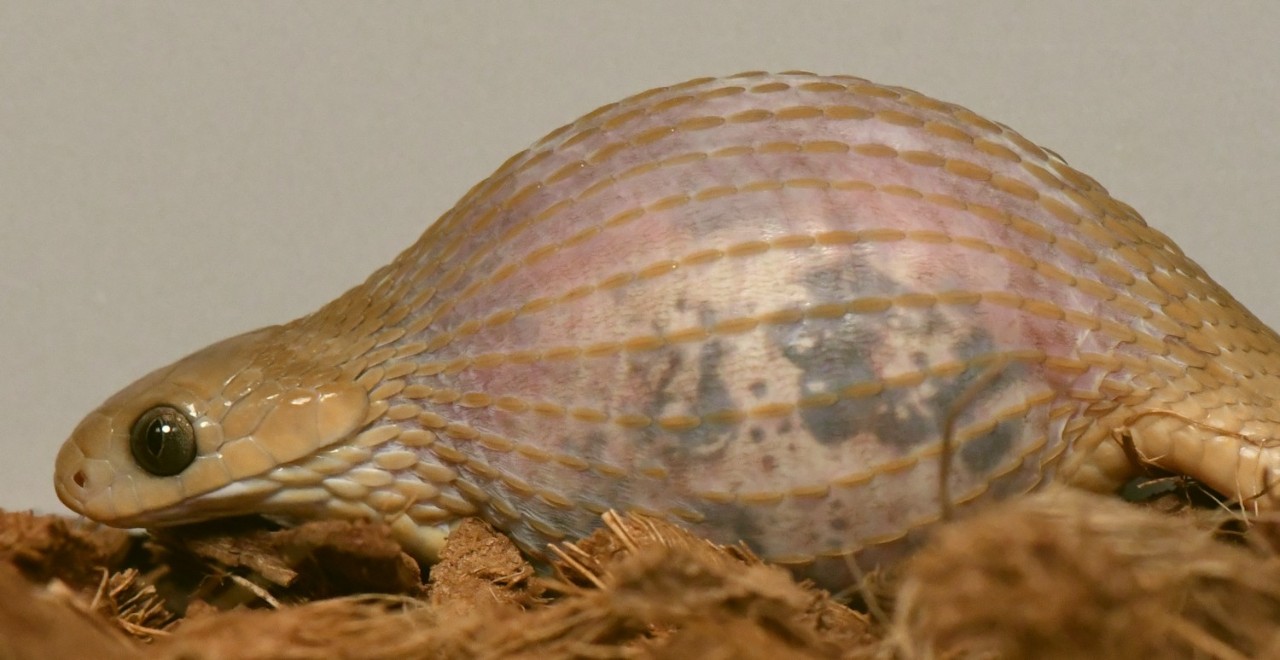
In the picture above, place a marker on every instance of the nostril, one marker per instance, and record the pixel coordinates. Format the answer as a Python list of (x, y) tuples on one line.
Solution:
[(78, 478)]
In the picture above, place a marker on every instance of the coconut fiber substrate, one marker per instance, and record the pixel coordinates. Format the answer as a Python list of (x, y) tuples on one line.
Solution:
[(1056, 575)]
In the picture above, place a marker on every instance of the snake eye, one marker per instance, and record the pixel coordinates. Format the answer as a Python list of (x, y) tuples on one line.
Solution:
[(163, 441)]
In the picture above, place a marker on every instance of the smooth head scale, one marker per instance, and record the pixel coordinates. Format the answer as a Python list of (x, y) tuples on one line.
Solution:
[(779, 308), (251, 403)]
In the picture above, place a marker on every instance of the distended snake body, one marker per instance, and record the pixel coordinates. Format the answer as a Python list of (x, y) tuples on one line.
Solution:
[(761, 306)]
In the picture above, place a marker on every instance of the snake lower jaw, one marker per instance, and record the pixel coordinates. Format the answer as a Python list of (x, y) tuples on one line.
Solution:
[(229, 501)]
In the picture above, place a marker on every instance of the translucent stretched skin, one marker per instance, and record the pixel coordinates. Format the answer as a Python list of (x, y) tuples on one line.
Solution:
[(751, 304)]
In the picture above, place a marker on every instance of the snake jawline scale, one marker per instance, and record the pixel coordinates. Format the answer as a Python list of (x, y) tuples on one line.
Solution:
[(759, 306)]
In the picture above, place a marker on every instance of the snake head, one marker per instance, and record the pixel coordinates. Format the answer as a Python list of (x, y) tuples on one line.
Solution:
[(194, 440)]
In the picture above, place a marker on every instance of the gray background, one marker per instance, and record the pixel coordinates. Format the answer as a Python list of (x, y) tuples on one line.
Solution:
[(171, 174)]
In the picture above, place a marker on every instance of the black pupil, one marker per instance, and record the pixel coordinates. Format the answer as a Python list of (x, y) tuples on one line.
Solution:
[(157, 433)]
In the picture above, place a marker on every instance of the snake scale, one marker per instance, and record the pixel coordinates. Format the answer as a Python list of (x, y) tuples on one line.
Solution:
[(769, 307)]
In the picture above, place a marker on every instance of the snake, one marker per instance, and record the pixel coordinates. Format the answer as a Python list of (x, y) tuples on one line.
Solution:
[(809, 313)]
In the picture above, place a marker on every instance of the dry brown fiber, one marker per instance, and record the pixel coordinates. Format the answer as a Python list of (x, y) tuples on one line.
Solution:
[(1057, 575)]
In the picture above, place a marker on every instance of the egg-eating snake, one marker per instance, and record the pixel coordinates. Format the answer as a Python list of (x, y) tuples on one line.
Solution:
[(775, 308)]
